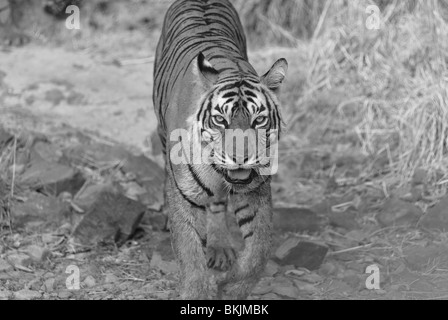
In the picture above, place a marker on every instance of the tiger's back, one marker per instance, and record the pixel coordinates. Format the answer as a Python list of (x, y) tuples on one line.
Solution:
[(191, 27)]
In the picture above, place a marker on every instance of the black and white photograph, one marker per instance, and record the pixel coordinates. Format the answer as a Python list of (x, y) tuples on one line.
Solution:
[(251, 151)]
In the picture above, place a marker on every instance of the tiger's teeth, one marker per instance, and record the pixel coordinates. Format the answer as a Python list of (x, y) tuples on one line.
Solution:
[(240, 174)]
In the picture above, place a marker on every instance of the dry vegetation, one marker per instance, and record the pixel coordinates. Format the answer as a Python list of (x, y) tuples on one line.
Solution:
[(394, 80)]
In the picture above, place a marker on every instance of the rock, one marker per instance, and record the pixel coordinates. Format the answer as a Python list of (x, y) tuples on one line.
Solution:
[(418, 258), (64, 294), (340, 287), (89, 282), (150, 176), (437, 217), (295, 273), (302, 254), (48, 238), (157, 220), (111, 278), (262, 287), (158, 263), (27, 295), (5, 266), (328, 269), (149, 288), (5, 295), (345, 220), (37, 253), (286, 291), (312, 278), (352, 279), (296, 220), (396, 212), (108, 215), (98, 154), (19, 259), (36, 207), (306, 287), (47, 151), (49, 285), (53, 178), (271, 269), (133, 190)]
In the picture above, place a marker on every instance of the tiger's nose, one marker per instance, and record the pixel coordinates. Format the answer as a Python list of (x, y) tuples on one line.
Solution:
[(241, 158)]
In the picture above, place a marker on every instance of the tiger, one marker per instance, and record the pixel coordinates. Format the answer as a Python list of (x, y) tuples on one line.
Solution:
[(204, 85)]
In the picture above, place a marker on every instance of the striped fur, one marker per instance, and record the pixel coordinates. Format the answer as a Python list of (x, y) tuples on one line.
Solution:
[(204, 83)]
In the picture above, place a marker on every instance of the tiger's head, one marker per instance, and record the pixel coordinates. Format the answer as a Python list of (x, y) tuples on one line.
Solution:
[(239, 120)]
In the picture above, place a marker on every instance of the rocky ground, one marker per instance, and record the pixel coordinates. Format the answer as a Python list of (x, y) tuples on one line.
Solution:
[(80, 193)]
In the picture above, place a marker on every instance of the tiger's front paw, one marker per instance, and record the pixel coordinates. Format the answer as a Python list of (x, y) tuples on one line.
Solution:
[(220, 258), (14, 38)]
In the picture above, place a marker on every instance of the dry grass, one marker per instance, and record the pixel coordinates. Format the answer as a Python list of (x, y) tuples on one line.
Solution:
[(391, 84)]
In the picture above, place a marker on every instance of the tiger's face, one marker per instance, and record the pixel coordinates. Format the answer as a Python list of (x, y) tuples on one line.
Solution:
[(240, 122)]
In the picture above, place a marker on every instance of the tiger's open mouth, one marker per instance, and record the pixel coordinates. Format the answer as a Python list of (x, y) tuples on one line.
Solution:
[(240, 176)]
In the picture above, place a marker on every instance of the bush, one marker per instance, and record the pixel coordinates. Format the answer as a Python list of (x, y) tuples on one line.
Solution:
[(395, 79)]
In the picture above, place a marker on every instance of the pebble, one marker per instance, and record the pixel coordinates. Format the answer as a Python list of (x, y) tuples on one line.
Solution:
[(64, 294), (89, 282), (27, 295), (5, 295), (5, 266)]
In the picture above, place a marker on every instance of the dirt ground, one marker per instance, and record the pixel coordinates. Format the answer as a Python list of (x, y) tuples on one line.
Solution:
[(332, 221)]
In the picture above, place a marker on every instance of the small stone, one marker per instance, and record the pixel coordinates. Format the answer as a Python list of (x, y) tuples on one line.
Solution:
[(328, 269), (19, 259), (270, 296), (149, 288), (64, 294), (49, 285), (397, 212), (164, 295), (302, 254), (288, 291), (312, 278), (5, 266), (157, 262), (306, 287), (50, 238), (418, 258), (345, 220), (5, 295), (437, 217), (263, 286), (37, 253), (27, 295), (352, 279), (295, 273), (271, 269), (296, 220), (89, 282), (111, 278)]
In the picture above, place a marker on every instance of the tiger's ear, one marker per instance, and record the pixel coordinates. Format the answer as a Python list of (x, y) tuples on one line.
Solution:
[(205, 71), (275, 76)]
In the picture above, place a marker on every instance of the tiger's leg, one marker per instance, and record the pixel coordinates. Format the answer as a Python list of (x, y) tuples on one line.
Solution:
[(254, 216), (220, 253), (188, 237)]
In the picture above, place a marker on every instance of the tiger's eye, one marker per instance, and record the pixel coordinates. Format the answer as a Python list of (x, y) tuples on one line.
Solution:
[(260, 119), (219, 119)]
